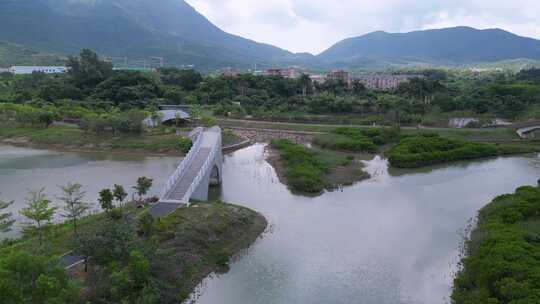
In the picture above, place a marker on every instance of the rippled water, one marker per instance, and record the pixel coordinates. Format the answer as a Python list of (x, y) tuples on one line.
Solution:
[(392, 239)]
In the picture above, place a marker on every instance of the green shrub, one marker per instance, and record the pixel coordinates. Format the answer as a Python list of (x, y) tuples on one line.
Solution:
[(304, 171), (502, 263), (344, 143), (357, 140), (429, 149), (184, 144)]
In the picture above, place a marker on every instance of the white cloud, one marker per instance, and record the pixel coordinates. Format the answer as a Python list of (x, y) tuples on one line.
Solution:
[(314, 25)]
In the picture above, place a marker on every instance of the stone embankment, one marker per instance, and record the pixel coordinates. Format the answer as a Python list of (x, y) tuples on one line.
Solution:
[(266, 135)]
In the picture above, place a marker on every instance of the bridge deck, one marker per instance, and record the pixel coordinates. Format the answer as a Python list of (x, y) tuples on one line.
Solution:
[(176, 194), (179, 190)]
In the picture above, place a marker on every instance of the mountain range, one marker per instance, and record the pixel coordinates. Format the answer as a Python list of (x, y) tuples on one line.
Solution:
[(174, 30)]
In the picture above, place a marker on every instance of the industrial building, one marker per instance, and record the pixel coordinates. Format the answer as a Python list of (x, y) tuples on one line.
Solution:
[(21, 70)]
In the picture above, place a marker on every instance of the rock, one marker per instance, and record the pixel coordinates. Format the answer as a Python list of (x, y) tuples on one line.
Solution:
[(17, 140)]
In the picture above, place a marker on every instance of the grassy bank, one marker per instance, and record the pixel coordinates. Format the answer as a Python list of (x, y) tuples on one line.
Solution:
[(495, 134), (164, 141), (429, 149), (311, 170), (73, 138), (502, 262), (175, 253)]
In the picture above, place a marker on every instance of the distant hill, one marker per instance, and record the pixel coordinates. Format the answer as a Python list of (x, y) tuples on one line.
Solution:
[(450, 46), (133, 28), (174, 30), (14, 54)]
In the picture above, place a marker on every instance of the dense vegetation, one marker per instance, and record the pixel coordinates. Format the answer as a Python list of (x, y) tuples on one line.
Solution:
[(428, 149), (356, 140), (93, 86), (309, 170), (134, 258), (502, 264)]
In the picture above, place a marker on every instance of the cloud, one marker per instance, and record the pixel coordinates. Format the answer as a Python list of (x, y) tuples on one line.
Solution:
[(314, 25)]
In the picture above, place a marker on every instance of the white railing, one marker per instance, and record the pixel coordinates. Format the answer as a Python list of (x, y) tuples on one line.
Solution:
[(206, 166), (196, 136)]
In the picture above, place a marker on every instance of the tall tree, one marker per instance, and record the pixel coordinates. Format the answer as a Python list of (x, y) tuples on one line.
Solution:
[(143, 185), (106, 200), (119, 194), (305, 83), (6, 219), (39, 211), (74, 207), (87, 71)]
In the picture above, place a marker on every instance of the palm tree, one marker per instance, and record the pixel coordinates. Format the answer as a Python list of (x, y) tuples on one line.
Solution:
[(305, 83)]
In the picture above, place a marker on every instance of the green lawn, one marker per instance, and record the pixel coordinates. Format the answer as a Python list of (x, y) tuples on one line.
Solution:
[(75, 138)]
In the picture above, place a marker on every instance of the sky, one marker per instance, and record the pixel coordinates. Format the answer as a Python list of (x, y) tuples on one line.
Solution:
[(314, 25)]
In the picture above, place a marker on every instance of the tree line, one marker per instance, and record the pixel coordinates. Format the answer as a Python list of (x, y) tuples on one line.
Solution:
[(93, 84)]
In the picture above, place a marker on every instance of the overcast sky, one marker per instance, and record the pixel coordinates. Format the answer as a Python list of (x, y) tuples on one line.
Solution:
[(314, 25)]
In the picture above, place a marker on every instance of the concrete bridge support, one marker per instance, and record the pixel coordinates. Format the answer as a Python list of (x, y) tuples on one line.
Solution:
[(211, 178)]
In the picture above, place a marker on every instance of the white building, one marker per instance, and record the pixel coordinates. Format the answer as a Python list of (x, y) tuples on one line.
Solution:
[(42, 69), (384, 81), (3, 70)]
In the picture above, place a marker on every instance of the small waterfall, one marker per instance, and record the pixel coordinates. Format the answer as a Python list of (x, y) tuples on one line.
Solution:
[(377, 167)]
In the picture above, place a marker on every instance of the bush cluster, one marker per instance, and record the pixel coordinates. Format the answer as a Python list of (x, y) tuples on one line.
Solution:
[(356, 140), (184, 144), (428, 149), (503, 254), (304, 171)]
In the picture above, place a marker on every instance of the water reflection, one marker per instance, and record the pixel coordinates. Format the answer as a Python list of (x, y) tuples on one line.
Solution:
[(388, 240)]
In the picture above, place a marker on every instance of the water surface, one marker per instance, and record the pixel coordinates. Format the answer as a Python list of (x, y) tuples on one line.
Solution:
[(23, 169), (388, 240)]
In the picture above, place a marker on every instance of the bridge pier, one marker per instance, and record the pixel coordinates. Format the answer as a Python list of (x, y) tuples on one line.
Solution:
[(211, 178)]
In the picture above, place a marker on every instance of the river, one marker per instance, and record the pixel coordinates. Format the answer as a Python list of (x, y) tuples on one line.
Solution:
[(392, 239)]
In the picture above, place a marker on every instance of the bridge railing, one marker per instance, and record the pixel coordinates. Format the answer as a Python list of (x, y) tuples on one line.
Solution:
[(205, 167), (180, 171)]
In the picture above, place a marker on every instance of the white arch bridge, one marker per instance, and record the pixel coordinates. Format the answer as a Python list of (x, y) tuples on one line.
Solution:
[(198, 170)]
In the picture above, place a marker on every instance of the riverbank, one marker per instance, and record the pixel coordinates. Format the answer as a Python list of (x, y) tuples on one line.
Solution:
[(181, 250), (480, 134), (73, 139), (309, 170), (501, 263)]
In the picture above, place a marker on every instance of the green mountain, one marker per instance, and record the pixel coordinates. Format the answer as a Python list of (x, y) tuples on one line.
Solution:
[(134, 28), (450, 46), (172, 29), (14, 54)]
